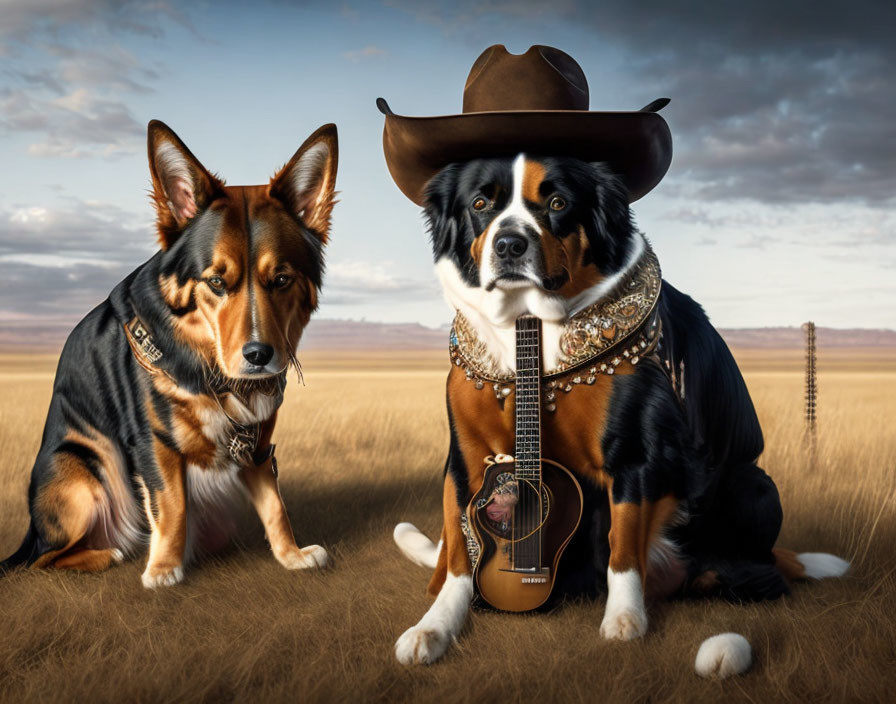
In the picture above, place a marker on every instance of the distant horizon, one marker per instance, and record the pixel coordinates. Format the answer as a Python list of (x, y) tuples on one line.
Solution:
[(331, 333)]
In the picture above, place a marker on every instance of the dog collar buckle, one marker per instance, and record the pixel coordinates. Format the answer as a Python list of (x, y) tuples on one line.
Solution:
[(143, 340)]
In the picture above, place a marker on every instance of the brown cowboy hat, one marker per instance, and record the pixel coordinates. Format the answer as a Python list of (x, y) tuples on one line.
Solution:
[(536, 102)]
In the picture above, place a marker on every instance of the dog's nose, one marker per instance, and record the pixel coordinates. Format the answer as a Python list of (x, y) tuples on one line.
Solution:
[(257, 353), (510, 245)]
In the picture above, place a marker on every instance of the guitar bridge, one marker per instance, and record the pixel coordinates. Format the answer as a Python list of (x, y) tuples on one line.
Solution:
[(531, 575)]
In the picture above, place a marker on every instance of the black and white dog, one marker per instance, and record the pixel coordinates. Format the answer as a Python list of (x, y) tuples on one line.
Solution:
[(665, 451)]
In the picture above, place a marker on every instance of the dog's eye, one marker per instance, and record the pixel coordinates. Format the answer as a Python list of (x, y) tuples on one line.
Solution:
[(216, 283), (557, 203), (479, 203), (281, 281)]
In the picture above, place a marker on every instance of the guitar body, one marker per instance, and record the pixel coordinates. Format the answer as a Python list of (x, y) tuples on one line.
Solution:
[(519, 553)]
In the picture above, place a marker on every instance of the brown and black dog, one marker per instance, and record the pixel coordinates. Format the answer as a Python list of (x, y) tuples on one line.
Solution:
[(664, 446), (166, 394)]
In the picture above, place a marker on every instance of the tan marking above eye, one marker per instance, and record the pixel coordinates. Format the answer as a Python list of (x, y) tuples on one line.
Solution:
[(175, 295), (533, 176), (270, 267)]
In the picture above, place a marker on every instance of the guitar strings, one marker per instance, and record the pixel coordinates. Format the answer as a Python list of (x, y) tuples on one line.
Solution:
[(528, 514)]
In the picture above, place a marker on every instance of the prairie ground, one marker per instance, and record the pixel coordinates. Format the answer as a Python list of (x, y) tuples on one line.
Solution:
[(361, 447)]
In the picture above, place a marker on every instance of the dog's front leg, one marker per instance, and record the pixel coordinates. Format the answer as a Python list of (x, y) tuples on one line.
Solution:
[(166, 510), (429, 639), (261, 483), (633, 526)]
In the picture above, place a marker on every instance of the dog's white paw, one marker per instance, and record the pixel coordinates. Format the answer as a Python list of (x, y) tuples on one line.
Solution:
[(625, 617), (421, 645), (311, 557), (429, 639), (723, 655), (156, 577), (624, 624)]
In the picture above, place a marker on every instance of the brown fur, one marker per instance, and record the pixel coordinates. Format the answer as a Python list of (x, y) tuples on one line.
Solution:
[(581, 275), (67, 505), (168, 517), (788, 565), (533, 176), (218, 326), (264, 253), (205, 187), (633, 528), (485, 426), (564, 254)]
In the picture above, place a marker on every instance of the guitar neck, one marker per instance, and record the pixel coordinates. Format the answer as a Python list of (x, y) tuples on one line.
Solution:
[(528, 398)]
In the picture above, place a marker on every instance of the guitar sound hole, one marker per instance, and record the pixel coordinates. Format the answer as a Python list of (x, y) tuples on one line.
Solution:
[(511, 509)]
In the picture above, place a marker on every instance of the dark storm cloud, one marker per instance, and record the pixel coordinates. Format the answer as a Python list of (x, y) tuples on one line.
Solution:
[(84, 230), (66, 293), (63, 262), (774, 101), (23, 19)]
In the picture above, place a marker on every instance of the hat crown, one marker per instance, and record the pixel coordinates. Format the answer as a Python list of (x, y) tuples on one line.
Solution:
[(543, 78)]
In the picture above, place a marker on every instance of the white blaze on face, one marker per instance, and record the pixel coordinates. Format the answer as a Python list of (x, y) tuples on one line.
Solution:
[(516, 209), (493, 313)]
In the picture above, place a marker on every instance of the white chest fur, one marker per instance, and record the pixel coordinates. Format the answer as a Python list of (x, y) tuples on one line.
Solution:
[(216, 494), (493, 313)]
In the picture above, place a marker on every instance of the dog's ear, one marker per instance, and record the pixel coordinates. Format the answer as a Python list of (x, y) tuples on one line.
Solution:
[(612, 216), (438, 209), (182, 187), (307, 184)]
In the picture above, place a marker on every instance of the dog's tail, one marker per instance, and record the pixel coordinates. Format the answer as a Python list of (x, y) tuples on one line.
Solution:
[(729, 654), (25, 555), (415, 546), (809, 565)]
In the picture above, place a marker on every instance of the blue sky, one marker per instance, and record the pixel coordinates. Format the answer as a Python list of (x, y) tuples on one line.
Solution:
[(778, 206)]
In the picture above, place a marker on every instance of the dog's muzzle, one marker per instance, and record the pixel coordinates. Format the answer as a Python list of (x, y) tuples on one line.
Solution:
[(514, 258)]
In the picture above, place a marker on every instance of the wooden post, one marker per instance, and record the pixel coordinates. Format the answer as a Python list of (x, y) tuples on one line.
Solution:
[(811, 386)]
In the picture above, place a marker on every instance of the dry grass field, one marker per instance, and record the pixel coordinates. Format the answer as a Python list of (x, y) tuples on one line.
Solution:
[(361, 447)]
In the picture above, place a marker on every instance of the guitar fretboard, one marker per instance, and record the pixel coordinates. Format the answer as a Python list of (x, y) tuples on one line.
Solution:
[(528, 398)]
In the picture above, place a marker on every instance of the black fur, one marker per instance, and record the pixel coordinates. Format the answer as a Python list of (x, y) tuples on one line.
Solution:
[(603, 212), (646, 444), (685, 425), (100, 388)]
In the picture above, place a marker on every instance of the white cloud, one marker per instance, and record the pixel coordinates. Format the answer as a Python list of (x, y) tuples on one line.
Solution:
[(352, 282)]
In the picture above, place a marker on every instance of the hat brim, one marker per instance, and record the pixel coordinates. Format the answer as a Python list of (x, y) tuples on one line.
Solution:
[(636, 145)]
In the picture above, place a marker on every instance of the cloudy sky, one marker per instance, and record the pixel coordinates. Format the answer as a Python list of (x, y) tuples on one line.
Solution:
[(778, 207)]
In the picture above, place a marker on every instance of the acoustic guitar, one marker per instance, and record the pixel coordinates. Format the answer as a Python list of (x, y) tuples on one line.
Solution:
[(528, 508)]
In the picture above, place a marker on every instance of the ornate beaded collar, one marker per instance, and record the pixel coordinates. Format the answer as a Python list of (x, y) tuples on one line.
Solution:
[(622, 327)]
